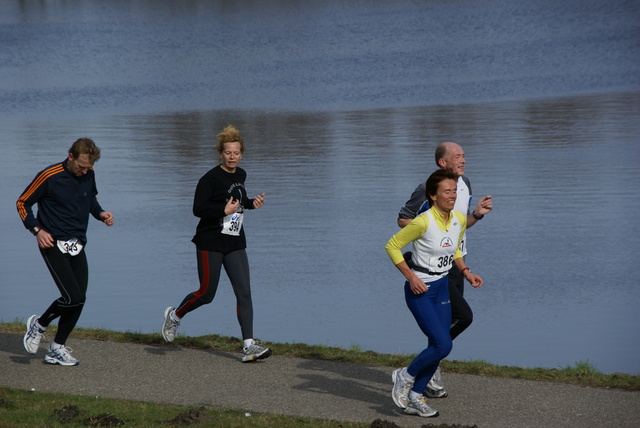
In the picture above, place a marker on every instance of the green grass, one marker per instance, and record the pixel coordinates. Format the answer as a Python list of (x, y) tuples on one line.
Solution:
[(582, 373), (21, 408)]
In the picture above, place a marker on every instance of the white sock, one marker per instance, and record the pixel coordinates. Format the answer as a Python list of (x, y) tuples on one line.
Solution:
[(248, 342), (173, 316), (405, 374), (414, 395), (55, 346)]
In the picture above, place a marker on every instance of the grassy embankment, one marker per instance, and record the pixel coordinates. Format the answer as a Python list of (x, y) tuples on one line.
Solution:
[(25, 408)]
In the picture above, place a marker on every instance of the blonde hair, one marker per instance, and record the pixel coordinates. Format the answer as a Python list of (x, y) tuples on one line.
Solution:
[(229, 134)]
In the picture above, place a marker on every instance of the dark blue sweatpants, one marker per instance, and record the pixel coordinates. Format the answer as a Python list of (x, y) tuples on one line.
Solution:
[(432, 311)]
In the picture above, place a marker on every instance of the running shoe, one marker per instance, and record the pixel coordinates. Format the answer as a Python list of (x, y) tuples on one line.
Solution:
[(401, 388), (435, 393), (419, 407), (170, 325), (255, 352), (435, 388), (33, 336), (436, 380), (61, 356)]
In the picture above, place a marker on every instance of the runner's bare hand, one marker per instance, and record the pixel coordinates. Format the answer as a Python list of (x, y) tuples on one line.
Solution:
[(44, 238), (232, 206), (107, 218), (258, 201)]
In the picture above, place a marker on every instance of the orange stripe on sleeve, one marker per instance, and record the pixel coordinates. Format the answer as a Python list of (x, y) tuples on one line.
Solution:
[(46, 174)]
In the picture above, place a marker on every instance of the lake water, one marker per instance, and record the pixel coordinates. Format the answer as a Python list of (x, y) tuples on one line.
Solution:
[(341, 107)]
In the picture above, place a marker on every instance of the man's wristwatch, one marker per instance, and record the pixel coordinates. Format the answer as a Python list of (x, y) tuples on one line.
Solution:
[(35, 230), (476, 216)]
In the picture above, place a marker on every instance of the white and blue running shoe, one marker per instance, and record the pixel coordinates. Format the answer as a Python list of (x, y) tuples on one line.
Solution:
[(33, 336), (60, 356)]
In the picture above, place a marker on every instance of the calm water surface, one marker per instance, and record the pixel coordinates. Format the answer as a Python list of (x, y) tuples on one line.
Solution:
[(341, 108)]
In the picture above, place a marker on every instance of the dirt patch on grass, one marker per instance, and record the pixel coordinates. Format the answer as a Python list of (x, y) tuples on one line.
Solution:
[(73, 414), (67, 414), (191, 416)]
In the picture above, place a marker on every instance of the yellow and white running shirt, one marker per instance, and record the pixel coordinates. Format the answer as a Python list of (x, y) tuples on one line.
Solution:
[(436, 242)]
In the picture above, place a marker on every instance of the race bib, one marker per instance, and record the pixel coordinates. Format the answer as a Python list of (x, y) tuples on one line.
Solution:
[(442, 263), (232, 224), (72, 247)]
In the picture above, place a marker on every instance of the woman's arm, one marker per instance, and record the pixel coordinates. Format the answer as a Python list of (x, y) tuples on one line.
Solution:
[(203, 204), (473, 279), (397, 242)]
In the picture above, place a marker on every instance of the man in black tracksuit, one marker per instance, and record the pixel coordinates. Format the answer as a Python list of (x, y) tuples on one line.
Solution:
[(66, 194)]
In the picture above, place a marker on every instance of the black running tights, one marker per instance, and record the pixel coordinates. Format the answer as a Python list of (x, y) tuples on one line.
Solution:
[(71, 275), (236, 265), (461, 314)]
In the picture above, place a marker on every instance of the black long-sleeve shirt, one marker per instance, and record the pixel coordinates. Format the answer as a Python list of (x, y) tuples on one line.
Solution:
[(64, 202), (212, 194)]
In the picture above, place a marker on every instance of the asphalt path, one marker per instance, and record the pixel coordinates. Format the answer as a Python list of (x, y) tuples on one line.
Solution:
[(308, 388)]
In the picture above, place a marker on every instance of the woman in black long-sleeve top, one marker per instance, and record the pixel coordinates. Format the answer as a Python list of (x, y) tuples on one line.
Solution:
[(219, 203)]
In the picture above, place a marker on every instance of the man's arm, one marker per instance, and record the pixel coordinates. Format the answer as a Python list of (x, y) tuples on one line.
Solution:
[(410, 209), (31, 195), (36, 190), (484, 207)]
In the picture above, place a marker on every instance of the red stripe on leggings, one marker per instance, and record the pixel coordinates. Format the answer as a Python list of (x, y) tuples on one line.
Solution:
[(204, 284)]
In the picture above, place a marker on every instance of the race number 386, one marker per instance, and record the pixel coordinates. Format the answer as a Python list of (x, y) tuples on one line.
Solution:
[(445, 261)]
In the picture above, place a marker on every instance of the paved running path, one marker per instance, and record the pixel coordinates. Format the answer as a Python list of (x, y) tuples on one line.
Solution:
[(308, 388)]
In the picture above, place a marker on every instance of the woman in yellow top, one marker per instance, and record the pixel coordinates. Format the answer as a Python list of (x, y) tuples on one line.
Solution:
[(435, 235)]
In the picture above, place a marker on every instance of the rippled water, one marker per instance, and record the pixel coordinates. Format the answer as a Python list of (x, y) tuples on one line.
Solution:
[(341, 108)]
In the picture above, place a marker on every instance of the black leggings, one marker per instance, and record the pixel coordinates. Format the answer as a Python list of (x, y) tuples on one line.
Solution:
[(236, 265), (461, 314), (71, 275)]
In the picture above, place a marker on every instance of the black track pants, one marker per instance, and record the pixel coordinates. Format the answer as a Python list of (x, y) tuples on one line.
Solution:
[(71, 275), (461, 314)]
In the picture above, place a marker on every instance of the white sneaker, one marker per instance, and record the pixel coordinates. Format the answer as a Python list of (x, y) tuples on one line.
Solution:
[(255, 352), (401, 388), (170, 325), (33, 336), (436, 380), (419, 407), (435, 387), (61, 356), (435, 393)]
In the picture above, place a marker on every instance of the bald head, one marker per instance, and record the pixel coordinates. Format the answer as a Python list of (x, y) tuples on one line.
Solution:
[(450, 156)]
